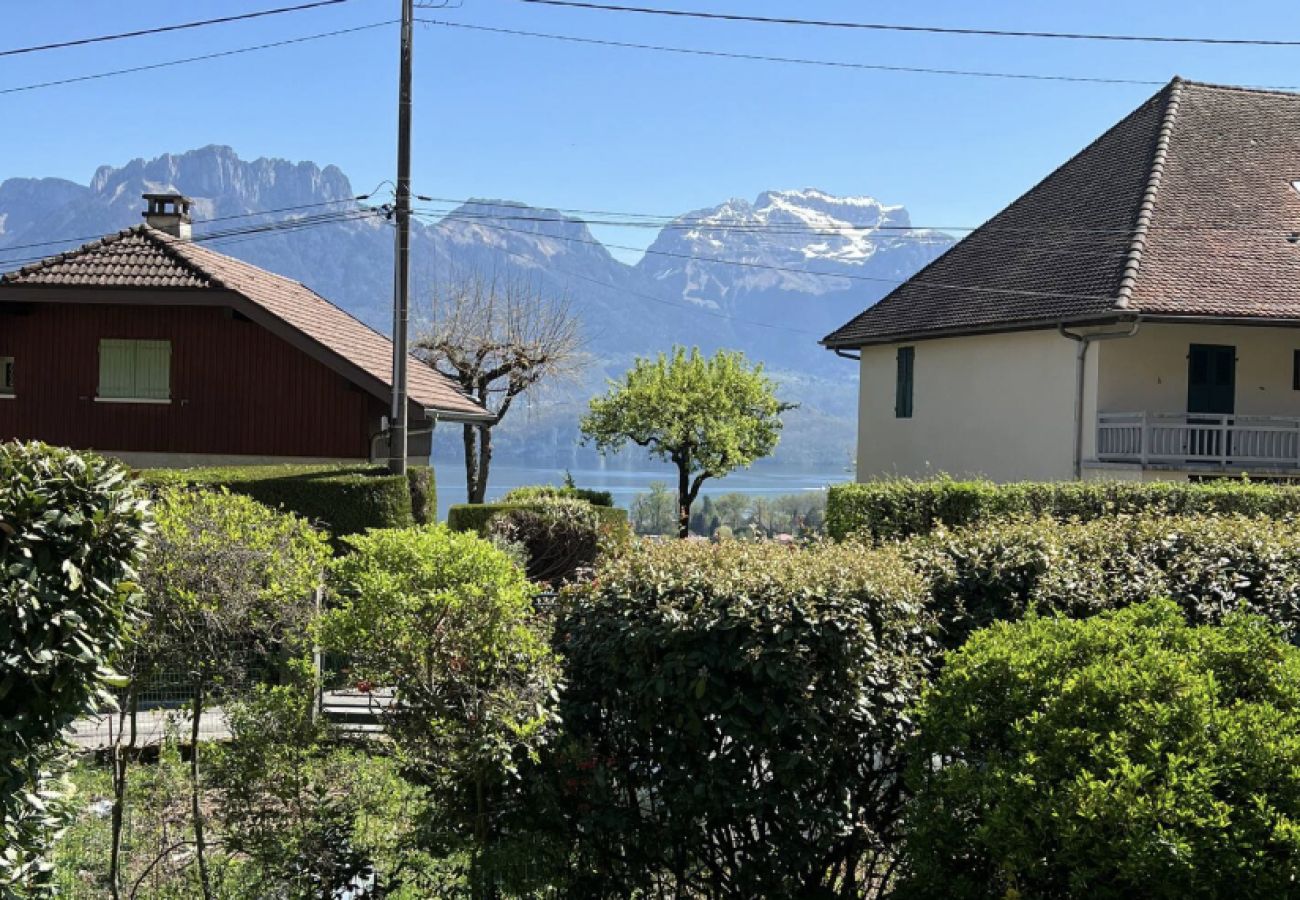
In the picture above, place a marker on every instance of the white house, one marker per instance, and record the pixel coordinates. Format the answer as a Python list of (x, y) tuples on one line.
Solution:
[(1134, 315)]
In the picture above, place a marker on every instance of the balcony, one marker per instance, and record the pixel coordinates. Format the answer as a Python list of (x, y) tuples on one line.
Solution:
[(1200, 440)]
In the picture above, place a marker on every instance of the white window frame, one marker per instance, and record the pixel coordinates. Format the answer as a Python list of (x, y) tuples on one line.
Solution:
[(7, 389), (134, 346)]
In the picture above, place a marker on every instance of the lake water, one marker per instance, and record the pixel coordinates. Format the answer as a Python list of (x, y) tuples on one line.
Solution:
[(625, 484)]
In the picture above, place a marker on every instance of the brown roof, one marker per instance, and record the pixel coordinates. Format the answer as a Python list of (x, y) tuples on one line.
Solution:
[(1184, 208), (143, 257)]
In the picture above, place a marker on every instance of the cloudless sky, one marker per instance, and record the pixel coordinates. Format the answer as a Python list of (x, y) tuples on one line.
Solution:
[(568, 125)]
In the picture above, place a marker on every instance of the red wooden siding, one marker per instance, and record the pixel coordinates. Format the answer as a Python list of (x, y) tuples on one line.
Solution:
[(236, 388)]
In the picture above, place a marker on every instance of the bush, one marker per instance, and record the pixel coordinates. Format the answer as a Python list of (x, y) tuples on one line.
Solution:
[(560, 539), (72, 530), (424, 494), (533, 493), (883, 510), (1209, 565), (342, 499), (735, 709), (1131, 755), (475, 517), (446, 621)]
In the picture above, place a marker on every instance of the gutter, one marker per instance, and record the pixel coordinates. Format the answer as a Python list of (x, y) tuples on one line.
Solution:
[(1080, 365)]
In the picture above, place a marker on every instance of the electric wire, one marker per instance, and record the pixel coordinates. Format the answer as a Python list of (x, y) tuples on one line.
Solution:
[(192, 59), (925, 29), (162, 29), (806, 61)]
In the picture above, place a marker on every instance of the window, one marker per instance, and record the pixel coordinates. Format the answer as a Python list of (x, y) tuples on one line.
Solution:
[(1295, 370), (135, 371), (903, 394), (6, 376)]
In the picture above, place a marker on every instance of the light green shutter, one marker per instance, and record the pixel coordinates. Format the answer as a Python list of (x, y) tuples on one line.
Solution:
[(116, 368), (153, 366)]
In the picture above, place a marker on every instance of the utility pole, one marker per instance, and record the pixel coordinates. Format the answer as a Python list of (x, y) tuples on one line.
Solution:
[(402, 282)]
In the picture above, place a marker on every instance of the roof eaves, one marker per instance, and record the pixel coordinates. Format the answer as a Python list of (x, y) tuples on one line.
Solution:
[(1142, 227)]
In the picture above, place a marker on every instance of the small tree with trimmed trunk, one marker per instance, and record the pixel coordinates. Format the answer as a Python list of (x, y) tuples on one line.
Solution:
[(498, 338), (708, 416)]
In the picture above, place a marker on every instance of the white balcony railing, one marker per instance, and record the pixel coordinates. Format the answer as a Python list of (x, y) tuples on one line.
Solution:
[(1198, 438)]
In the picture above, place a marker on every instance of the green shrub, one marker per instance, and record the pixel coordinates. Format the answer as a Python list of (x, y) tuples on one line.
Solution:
[(735, 708), (72, 530), (560, 539), (883, 510), (446, 620), (475, 517), (342, 499), (1131, 755), (555, 492), (1209, 565)]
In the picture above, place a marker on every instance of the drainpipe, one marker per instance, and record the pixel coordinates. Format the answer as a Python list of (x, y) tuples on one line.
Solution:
[(1080, 364)]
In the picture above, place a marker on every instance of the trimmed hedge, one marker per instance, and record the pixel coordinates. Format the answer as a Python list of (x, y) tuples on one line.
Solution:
[(737, 708), (535, 492), (1127, 756), (474, 517), (1209, 565), (892, 509), (342, 499)]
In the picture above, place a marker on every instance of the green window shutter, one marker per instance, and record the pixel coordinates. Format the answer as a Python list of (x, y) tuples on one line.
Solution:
[(153, 367), (116, 368), (903, 393)]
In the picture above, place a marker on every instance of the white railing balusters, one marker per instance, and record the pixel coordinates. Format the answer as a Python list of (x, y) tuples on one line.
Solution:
[(1221, 440)]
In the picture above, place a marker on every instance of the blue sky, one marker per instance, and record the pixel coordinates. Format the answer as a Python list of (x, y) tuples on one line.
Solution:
[(567, 125)]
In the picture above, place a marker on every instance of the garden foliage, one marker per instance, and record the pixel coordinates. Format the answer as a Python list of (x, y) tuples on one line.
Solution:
[(72, 529), (888, 509), (532, 493), (1129, 755), (446, 621), (559, 539), (342, 499), (1209, 565), (734, 716)]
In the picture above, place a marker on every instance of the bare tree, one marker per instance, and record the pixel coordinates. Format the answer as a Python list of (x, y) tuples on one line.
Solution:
[(498, 337)]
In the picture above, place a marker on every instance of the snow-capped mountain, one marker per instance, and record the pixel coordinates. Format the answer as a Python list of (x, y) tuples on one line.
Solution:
[(768, 277), (806, 255)]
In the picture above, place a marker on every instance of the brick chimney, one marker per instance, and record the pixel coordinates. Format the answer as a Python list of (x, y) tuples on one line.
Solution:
[(169, 213)]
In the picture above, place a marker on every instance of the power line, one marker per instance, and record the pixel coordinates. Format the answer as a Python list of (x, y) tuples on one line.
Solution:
[(767, 266), (81, 42), (298, 223), (924, 29), (645, 296), (645, 221), (805, 61), (192, 59), (247, 215)]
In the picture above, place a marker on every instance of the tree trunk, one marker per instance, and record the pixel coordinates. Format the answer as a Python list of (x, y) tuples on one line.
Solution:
[(471, 464), (120, 760), (484, 461), (196, 793), (684, 498)]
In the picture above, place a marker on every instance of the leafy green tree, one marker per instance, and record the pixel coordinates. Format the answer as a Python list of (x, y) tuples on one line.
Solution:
[(229, 585), (735, 720), (706, 416), (653, 512), (72, 530), (1126, 755), (445, 620)]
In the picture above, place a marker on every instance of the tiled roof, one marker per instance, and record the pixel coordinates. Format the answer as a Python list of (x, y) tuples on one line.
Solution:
[(1183, 208), (143, 257)]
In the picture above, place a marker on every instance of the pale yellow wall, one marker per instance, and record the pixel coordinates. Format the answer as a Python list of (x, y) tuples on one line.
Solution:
[(1148, 372), (999, 406)]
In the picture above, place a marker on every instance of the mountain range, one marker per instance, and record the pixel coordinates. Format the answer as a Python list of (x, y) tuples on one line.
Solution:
[(768, 277)]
